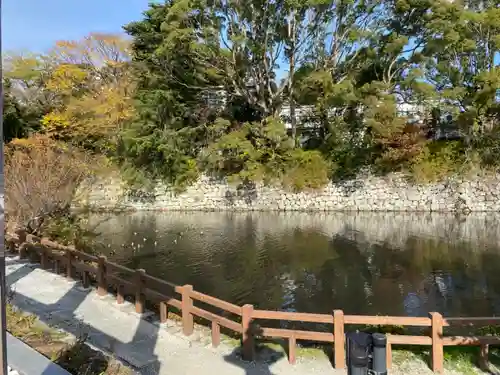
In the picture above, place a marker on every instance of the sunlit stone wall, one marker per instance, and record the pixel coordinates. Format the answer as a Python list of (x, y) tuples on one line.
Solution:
[(369, 193)]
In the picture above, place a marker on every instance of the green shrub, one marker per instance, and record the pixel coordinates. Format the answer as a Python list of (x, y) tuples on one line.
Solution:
[(386, 329), (250, 152), (306, 170), (438, 160), (263, 152), (72, 229), (233, 155), (489, 331), (487, 149)]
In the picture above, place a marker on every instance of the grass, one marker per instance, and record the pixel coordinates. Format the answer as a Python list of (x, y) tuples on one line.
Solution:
[(280, 346), (460, 359), (76, 357), (463, 360)]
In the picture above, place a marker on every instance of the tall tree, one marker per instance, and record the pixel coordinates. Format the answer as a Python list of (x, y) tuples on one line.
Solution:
[(92, 80), (354, 61), (166, 135), (106, 56), (463, 66)]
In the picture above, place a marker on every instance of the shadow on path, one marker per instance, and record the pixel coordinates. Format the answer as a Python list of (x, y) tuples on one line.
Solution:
[(264, 357), (71, 314), (115, 330)]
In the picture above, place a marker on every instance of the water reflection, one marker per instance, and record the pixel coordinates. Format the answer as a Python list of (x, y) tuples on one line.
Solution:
[(366, 263)]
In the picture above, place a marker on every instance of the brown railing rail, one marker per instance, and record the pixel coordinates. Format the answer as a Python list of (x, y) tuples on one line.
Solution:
[(106, 275)]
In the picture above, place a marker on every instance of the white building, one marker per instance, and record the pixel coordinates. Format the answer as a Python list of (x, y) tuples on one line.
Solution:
[(305, 114), (416, 113)]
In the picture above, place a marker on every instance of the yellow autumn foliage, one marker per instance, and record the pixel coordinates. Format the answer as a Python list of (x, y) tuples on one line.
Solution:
[(94, 116), (25, 67), (94, 86), (66, 78), (95, 50), (55, 120)]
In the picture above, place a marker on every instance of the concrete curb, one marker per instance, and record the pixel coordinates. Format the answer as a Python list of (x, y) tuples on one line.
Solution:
[(28, 361)]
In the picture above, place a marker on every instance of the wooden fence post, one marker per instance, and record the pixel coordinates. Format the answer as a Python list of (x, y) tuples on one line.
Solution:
[(163, 312), (292, 346), (120, 298), (139, 297), (437, 342), (23, 250), (339, 339), (389, 353), (186, 305), (69, 267), (247, 334), (44, 257), (215, 334), (85, 280), (102, 289), (483, 358)]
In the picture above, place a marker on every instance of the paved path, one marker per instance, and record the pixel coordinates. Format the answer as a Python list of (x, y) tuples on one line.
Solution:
[(146, 345)]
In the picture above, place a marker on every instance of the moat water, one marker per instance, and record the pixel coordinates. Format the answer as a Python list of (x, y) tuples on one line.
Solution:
[(364, 263)]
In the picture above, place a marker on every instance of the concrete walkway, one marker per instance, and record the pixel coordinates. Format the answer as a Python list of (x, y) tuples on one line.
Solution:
[(146, 345)]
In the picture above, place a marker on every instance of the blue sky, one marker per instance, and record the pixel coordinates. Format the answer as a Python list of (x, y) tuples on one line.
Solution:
[(36, 24)]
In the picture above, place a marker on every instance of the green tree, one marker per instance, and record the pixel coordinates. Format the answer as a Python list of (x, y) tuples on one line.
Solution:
[(25, 77), (168, 131), (462, 66), (14, 122), (354, 62)]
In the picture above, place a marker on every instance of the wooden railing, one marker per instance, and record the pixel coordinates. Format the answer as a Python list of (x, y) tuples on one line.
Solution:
[(106, 275)]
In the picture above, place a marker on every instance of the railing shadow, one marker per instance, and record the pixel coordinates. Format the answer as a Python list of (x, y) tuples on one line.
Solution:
[(480, 357), (264, 357), (494, 359), (68, 313)]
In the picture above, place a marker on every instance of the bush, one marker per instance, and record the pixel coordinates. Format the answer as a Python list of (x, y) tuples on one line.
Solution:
[(251, 152), (263, 152), (306, 170), (399, 150), (41, 179), (438, 160), (487, 149), (75, 230)]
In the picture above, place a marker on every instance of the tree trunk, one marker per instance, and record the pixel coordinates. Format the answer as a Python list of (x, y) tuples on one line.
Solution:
[(293, 119), (291, 99)]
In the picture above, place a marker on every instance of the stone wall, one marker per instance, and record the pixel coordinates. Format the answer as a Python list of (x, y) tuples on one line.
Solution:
[(369, 193)]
